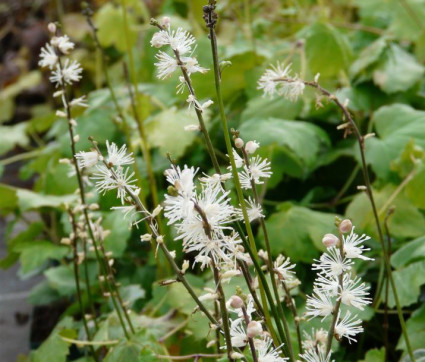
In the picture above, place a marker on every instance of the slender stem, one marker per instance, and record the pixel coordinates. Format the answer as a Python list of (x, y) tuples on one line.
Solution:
[(361, 139), (223, 311), (146, 153), (87, 281), (250, 340), (114, 283), (83, 198), (211, 17), (385, 324), (188, 81), (136, 106), (88, 13), (77, 283), (179, 274), (335, 312), (293, 309), (270, 262), (217, 331)]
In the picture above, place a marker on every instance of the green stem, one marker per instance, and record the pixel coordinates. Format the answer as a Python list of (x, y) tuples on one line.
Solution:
[(217, 78), (270, 263), (77, 285), (369, 192), (83, 197)]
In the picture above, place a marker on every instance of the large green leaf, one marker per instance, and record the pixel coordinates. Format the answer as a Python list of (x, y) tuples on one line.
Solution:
[(415, 329), (406, 222), (387, 74), (374, 355), (166, 130), (62, 279), (408, 281), (120, 231), (11, 136), (395, 126), (110, 21), (408, 253), (35, 253), (297, 231), (293, 137), (328, 52), (54, 348)]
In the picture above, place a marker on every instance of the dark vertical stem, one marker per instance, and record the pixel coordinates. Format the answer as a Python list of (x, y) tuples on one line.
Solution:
[(386, 322), (77, 283), (210, 18), (250, 340)]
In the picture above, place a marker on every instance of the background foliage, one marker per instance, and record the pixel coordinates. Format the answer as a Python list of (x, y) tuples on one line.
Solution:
[(372, 52)]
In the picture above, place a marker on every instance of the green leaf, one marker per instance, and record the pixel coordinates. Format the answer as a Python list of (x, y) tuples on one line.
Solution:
[(406, 222), (266, 107), (43, 294), (54, 348), (62, 279), (395, 126), (28, 235), (28, 200), (408, 253), (110, 22), (387, 74), (375, 355), (11, 136), (368, 57), (408, 282), (166, 130), (415, 330), (8, 198), (293, 136), (298, 231), (35, 253), (415, 188), (328, 52), (131, 293), (120, 231)]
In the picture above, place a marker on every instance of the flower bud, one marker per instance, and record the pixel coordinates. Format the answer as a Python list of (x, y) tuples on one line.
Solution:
[(330, 240), (254, 329), (166, 21), (185, 266), (251, 146), (52, 27), (239, 142), (236, 302), (345, 226)]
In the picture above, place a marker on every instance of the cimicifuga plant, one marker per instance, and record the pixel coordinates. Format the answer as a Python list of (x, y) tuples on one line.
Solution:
[(211, 218)]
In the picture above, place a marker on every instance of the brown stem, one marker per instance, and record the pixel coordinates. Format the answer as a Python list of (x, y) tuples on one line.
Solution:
[(250, 340)]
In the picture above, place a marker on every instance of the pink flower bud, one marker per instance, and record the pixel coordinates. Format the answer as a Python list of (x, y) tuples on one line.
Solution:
[(236, 302), (52, 28), (239, 142), (166, 21), (345, 226), (251, 146), (254, 329), (330, 240)]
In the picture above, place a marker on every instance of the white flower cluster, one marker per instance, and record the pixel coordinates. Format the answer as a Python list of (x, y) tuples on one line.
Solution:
[(335, 284), (67, 72), (244, 327), (278, 80), (181, 42), (256, 170), (202, 218)]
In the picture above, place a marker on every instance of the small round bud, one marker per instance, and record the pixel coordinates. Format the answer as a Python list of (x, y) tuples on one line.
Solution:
[(251, 146), (254, 329), (345, 226), (166, 21), (330, 240), (239, 142), (52, 28), (236, 302)]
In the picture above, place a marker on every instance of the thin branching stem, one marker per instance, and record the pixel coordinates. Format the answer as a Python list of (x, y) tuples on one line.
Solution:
[(210, 18), (250, 340), (83, 197), (77, 283), (352, 126)]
